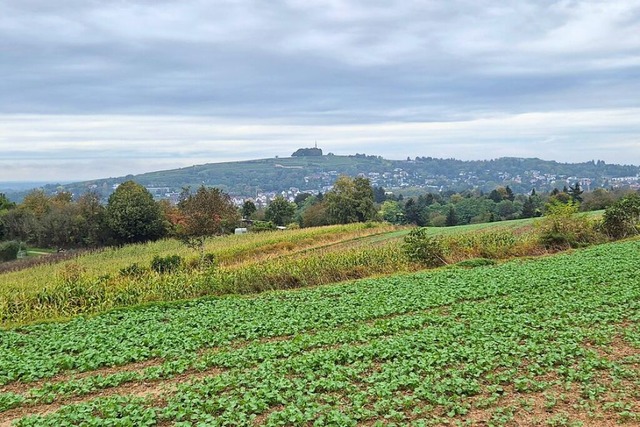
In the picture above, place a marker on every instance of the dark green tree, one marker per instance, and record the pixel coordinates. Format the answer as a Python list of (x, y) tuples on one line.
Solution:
[(21, 224), (575, 192), (496, 196), (379, 194), (301, 199), (413, 214), (5, 203), (528, 208), (280, 211), (510, 196), (452, 218), (248, 209), (132, 215)]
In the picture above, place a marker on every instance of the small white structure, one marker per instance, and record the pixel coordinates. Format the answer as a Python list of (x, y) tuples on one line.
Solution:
[(240, 231)]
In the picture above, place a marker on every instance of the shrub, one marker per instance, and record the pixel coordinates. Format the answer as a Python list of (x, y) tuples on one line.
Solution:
[(623, 217), (259, 226), (168, 264), (562, 227), (9, 251), (424, 248)]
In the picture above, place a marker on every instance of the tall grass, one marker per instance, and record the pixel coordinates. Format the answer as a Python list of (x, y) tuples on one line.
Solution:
[(244, 264), (78, 293), (228, 250)]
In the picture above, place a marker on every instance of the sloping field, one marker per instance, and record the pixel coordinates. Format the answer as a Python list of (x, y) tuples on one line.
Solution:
[(251, 263), (549, 341), (228, 250)]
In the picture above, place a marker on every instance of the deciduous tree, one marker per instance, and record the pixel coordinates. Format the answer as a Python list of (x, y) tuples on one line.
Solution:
[(208, 212), (132, 215), (351, 200), (280, 211)]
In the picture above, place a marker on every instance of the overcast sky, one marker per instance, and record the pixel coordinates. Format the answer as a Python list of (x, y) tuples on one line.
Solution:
[(94, 88)]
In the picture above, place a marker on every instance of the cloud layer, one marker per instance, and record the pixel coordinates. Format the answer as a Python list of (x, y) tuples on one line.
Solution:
[(153, 84)]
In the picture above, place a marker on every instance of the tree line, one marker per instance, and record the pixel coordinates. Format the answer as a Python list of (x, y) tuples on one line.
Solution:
[(131, 215)]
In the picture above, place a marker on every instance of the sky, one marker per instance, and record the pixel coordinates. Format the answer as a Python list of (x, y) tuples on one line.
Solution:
[(92, 88)]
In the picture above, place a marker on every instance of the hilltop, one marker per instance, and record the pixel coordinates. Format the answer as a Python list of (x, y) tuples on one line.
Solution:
[(318, 173)]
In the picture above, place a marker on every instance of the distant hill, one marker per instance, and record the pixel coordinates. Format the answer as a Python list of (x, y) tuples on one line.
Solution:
[(317, 173)]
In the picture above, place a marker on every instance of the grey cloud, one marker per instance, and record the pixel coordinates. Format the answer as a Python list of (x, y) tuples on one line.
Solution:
[(317, 62)]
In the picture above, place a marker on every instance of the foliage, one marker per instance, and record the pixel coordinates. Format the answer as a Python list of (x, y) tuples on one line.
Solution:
[(528, 208), (9, 250), (391, 212), (423, 247), (132, 214), (476, 262), (5, 203), (208, 212), (350, 200), (563, 227), (20, 224), (260, 226), (452, 218), (248, 209), (36, 201), (623, 217), (598, 199), (413, 213), (315, 215), (167, 264), (575, 192), (280, 211), (134, 270)]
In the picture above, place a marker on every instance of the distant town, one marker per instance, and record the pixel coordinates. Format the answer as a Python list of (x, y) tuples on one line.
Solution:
[(310, 171)]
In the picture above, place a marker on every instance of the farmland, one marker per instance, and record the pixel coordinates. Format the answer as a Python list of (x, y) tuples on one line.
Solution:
[(118, 277), (547, 341)]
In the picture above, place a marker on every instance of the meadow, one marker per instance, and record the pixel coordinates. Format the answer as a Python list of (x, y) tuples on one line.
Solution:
[(552, 341)]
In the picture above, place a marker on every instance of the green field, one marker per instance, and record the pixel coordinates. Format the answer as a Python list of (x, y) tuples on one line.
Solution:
[(548, 341)]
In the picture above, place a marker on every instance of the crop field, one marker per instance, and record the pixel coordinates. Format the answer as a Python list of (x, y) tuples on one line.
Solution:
[(119, 277), (548, 341), (228, 250)]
